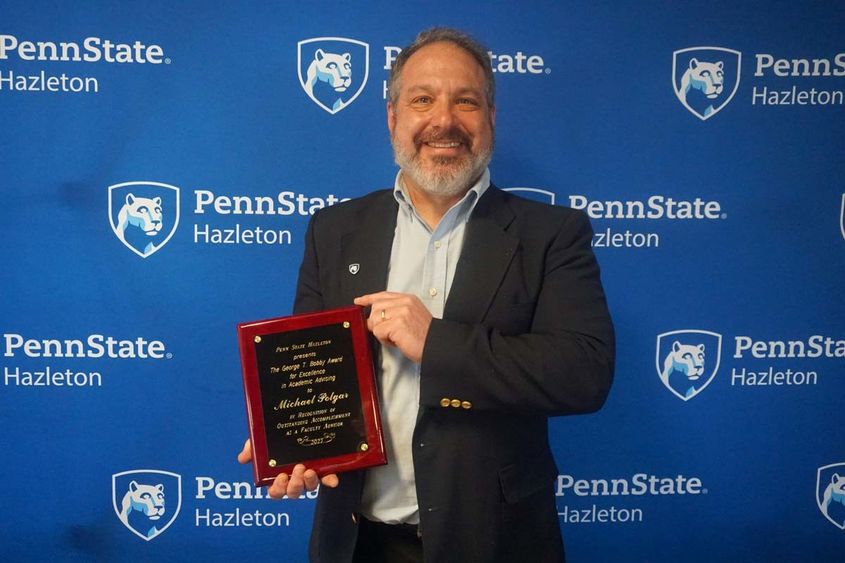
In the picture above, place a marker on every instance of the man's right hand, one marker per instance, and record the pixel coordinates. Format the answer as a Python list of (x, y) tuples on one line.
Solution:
[(293, 485)]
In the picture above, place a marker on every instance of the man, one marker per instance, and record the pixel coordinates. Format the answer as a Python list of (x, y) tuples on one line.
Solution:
[(491, 318)]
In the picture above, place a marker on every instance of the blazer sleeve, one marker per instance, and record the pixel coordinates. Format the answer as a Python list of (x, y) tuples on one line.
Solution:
[(309, 296), (562, 365)]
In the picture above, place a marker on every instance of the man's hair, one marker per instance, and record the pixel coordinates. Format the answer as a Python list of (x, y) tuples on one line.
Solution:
[(439, 35)]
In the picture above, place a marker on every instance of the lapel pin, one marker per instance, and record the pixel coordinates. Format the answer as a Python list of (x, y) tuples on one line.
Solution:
[(353, 268)]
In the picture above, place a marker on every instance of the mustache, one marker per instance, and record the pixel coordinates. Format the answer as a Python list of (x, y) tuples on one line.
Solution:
[(452, 135)]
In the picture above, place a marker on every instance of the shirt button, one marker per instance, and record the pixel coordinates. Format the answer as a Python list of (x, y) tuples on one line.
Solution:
[(432, 291), (437, 244)]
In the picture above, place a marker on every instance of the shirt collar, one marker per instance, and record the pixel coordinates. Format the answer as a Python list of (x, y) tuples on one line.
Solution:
[(468, 201)]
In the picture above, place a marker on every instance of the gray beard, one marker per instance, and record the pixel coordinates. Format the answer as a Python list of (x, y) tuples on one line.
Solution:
[(449, 177)]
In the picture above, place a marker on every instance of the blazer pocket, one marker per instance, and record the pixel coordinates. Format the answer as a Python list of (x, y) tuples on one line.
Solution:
[(520, 482)]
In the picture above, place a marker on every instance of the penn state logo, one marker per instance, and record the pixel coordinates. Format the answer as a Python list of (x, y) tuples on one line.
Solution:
[(143, 215), (830, 493), (705, 79), (147, 501), (687, 360), (537, 194), (333, 70)]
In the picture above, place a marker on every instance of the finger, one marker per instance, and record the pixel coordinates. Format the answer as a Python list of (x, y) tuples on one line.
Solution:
[(331, 481), (279, 487), (296, 485), (373, 298), (246, 454), (311, 479)]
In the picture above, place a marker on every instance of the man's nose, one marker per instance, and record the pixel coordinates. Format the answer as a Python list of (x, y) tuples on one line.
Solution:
[(444, 115)]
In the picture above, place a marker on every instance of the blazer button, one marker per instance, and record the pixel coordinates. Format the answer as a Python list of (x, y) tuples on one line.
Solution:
[(455, 403), (444, 402), (466, 405)]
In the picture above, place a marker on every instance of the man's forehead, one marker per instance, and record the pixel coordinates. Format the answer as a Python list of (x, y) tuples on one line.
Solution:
[(432, 63)]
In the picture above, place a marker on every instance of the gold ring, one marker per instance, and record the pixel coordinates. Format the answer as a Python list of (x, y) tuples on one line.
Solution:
[(382, 314)]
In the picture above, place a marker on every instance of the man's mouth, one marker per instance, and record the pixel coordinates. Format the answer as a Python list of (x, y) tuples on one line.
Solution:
[(443, 144)]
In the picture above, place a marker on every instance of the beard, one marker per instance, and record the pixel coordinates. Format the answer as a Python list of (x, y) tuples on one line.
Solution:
[(443, 176)]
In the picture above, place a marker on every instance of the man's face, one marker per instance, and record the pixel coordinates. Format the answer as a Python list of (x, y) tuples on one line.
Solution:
[(441, 126)]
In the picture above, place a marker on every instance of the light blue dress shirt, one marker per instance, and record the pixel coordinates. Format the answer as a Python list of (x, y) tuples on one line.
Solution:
[(422, 263)]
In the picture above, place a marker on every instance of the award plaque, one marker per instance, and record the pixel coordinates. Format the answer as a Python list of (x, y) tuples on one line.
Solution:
[(310, 394)]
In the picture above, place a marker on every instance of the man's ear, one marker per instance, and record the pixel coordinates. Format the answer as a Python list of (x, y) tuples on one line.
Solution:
[(493, 116), (391, 118)]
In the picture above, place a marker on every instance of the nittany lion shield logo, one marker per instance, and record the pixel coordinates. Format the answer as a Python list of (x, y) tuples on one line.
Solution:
[(147, 501), (333, 70), (144, 215), (537, 194), (830, 493), (705, 78), (687, 360)]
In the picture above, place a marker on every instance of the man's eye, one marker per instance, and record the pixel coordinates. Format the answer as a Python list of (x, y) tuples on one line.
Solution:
[(467, 101), (422, 100)]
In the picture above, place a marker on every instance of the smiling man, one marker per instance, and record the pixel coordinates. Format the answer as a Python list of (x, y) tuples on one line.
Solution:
[(491, 318)]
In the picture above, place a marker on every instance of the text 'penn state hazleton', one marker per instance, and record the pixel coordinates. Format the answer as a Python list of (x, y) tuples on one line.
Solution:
[(638, 485)]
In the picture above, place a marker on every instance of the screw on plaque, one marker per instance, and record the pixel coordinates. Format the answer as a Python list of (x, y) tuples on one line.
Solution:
[(272, 463), (257, 339)]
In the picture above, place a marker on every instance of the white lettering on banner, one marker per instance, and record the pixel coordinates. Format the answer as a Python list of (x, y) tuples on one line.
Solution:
[(816, 346), (92, 50), (51, 378), (796, 97), (772, 377), (638, 485), (596, 515), (800, 67), (289, 203), (240, 235), (390, 54), (238, 490), (95, 346), (626, 239), (656, 207), (776, 68), (43, 83), (502, 63), (241, 519)]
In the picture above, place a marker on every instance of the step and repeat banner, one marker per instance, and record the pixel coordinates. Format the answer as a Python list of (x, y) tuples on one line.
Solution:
[(159, 163)]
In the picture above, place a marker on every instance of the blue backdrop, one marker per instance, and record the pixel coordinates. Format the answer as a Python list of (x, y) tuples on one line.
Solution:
[(705, 140)]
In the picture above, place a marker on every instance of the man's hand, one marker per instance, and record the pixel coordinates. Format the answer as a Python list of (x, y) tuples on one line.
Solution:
[(293, 485), (398, 319)]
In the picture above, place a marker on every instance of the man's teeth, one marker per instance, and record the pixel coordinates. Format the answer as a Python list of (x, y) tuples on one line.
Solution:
[(443, 145)]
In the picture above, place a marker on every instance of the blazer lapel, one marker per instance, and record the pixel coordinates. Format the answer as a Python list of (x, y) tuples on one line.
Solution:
[(366, 248), (488, 250)]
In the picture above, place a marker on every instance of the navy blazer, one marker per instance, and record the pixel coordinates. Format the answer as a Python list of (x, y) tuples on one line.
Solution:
[(525, 335)]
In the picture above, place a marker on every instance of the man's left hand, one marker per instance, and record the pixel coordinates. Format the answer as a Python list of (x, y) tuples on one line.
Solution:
[(398, 319)]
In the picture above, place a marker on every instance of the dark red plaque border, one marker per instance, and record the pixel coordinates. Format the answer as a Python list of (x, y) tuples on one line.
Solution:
[(263, 473)]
